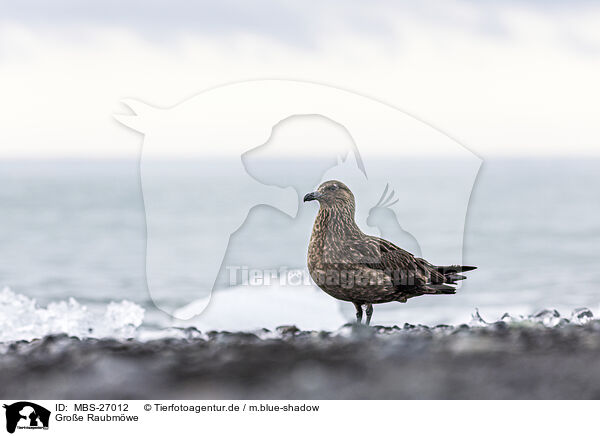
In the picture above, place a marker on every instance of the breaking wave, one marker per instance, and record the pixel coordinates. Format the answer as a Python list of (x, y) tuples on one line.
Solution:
[(22, 319)]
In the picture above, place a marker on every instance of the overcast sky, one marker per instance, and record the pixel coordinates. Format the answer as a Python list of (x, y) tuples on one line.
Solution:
[(505, 78)]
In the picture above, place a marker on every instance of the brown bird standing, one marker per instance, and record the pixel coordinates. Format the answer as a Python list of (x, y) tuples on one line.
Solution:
[(365, 270)]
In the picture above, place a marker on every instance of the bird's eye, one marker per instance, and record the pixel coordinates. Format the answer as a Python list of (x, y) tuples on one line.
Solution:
[(332, 188)]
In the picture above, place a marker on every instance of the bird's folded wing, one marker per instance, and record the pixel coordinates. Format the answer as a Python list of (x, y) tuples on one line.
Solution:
[(379, 254)]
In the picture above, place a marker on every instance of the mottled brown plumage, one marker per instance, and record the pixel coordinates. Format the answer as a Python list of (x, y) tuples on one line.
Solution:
[(365, 270)]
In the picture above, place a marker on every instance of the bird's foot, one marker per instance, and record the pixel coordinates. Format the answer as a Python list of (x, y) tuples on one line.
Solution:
[(359, 313), (369, 312)]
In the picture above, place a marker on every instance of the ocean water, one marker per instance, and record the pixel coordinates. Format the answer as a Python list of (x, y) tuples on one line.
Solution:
[(73, 229)]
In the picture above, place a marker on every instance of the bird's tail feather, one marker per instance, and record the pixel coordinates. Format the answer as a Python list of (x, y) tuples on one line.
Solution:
[(453, 269), (437, 289), (453, 278)]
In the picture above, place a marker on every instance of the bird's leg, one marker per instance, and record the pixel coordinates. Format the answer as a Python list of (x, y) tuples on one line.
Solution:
[(358, 313), (369, 312)]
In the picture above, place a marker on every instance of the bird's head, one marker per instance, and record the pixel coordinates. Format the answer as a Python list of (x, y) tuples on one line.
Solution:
[(332, 194)]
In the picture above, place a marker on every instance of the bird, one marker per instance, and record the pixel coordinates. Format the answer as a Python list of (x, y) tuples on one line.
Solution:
[(351, 266)]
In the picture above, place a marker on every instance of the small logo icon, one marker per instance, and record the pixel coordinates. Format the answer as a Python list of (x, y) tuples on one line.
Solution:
[(26, 415)]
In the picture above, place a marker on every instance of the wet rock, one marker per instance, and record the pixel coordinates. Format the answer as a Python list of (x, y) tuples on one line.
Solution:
[(499, 325), (289, 330)]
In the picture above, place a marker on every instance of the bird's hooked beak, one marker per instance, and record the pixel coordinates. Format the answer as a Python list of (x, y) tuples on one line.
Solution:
[(312, 196)]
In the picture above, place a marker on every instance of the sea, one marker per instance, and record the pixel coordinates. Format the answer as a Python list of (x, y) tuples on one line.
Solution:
[(74, 242)]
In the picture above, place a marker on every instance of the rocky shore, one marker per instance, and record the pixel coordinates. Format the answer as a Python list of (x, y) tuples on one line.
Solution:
[(502, 360)]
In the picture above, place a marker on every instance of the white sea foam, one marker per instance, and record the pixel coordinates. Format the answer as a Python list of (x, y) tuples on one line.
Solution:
[(545, 318), (22, 319)]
